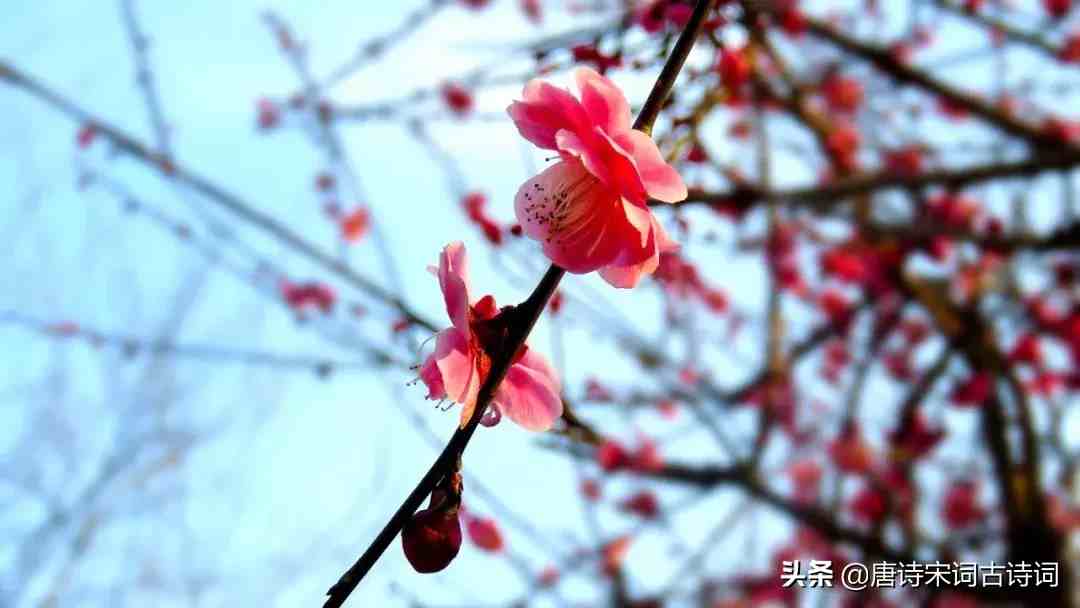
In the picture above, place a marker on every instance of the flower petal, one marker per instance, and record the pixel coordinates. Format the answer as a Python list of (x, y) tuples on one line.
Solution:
[(603, 101), (454, 282), (530, 393), (545, 110), (627, 277), (640, 218), (582, 224), (661, 180), (458, 367), (539, 363), (604, 158), (664, 242), (432, 377), (627, 271)]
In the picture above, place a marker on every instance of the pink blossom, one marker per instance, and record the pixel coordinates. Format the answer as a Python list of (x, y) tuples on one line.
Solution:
[(457, 98), (301, 296), (355, 225), (268, 114), (596, 391), (644, 504), (905, 161), (614, 553), (548, 576), (1027, 350), (916, 438), (734, 68), (1057, 8), (476, 4), (842, 144), (588, 53), (806, 479), (532, 10), (611, 455), (86, 135), (960, 507), (590, 210), (646, 458), (845, 264), (842, 93), (1062, 129), (325, 182), (651, 16), (869, 505), (484, 533), (668, 409), (793, 21), (973, 391), (590, 489), (1070, 50), (850, 453), (64, 328), (530, 393), (475, 203)]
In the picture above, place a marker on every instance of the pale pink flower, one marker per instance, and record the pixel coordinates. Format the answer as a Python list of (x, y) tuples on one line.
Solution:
[(590, 210), (530, 393)]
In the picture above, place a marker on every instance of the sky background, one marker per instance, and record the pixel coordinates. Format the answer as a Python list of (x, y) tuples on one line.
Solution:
[(293, 475)]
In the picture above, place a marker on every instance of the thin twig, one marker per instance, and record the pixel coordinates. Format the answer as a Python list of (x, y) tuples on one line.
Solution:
[(523, 318)]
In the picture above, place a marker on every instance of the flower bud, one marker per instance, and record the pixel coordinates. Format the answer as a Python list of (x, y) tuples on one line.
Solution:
[(431, 539), (484, 532)]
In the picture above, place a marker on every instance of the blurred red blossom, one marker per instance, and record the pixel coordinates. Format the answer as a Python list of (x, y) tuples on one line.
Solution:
[(457, 98)]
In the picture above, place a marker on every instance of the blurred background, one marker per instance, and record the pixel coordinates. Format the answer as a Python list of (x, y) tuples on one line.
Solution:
[(218, 221)]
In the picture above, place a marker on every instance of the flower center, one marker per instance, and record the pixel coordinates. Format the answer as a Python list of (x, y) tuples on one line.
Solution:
[(567, 207)]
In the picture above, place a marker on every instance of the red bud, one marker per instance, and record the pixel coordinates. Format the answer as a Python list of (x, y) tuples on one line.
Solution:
[(431, 539)]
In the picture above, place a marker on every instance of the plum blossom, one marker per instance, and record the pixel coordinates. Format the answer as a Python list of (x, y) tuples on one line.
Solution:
[(644, 504), (590, 210), (302, 296), (484, 533), (457, 98), (86, 135), (475, 203), (530, 393), (355, 224)]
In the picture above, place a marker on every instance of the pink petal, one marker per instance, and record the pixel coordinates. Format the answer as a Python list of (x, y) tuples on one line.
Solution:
[(641, 219), (530, 393), (432, 377), (544, 111), (603, 101), (627, 277), (457, 367), (661, 180), (454, 282), (627, 272), (648, 248), (581, 224), (539, 363), (605, 159), (664, 242)]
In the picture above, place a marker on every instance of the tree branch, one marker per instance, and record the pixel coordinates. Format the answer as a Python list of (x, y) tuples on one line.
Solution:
[(522, 318)]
